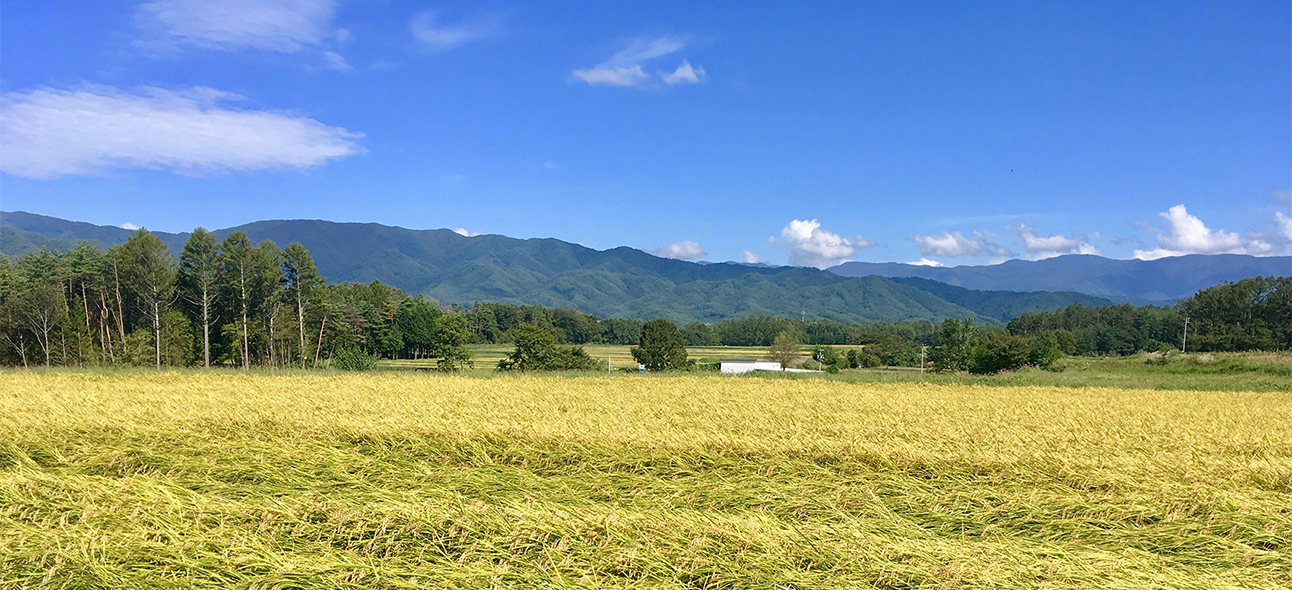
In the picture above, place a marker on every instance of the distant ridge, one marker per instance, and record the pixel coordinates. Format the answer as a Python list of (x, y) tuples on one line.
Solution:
[(620, 282), (1164, 280)]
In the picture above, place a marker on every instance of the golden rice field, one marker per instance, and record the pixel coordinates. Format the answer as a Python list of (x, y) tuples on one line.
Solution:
[(410, 480)]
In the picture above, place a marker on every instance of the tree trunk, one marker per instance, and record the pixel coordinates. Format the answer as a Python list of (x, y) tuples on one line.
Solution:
[(273, 358), (121, 309), (300, 322), (105, 331), (319, 347), (157, 330), (246, 347), (206, 326)]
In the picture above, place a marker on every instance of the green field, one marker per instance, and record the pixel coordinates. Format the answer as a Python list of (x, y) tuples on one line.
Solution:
[(1261, 371), (399, 479), (486, 356)]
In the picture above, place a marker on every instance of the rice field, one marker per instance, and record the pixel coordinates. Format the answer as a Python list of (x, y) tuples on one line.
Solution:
[(414, 480)]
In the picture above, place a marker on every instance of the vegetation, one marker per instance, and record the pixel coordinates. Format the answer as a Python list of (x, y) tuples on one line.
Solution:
[(536, 350), (234, 304), (784, 350), (617, 283), (215, 480), (662, 347)]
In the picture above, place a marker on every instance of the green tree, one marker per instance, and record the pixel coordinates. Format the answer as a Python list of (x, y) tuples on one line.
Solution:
[(149, 272), (266, 278), (449, 342), (955, 348), (199, 276), (662, 346), (533, 350), (416, 320), (300, 278), (238, 278), (784, 350), (999, 351), (43, 307)]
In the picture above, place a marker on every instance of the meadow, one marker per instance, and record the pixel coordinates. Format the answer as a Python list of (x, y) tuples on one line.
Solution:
[(409, 480)]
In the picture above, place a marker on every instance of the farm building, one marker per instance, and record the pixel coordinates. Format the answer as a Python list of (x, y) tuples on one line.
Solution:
[(747, 365)]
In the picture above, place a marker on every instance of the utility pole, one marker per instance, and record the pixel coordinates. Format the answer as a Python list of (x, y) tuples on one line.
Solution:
[(607, 364), (922, 349), (1184, 346)]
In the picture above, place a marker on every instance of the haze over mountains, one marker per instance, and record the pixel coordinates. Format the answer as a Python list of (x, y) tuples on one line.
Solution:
[(625, 282), (1164, 280)]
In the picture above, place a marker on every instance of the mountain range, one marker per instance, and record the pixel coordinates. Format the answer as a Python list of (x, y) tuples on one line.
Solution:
[(620, 282), (1161, 281)]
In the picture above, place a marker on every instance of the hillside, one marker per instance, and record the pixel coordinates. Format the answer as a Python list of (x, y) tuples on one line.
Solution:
[(1164, 280), (620, 282)]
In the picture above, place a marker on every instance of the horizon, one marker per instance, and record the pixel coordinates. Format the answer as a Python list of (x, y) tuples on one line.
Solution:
[(936, 134), (698, 261)]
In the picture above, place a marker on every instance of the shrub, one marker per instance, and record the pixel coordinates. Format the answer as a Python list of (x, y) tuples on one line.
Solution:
[(662, 346), (349, 359), (999, 351)]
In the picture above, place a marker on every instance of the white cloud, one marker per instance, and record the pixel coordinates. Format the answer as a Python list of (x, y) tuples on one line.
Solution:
[(949, 244), (274, 25), (336, 62), (1284, 224), (46, 133), (1187, 234), (462, 231), (129, 226), (684, 250), (626, 67), (438, 37), (749, 257), (1040, 247), (926, 262), (812, 246), (685, 74), (613, 76)]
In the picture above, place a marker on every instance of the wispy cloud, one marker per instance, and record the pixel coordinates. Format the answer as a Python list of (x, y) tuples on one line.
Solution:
[(334, 61), (810, 245), (46, 133), (685, 74), (437, 36), (1186, 234), (684, 250), (1040, 247), (628, 67), (462, 231), (129, 226), (274, 25), (749, 257), (926, 262)]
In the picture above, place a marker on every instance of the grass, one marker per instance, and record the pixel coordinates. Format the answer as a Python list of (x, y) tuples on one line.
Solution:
[(407, 480), (486, 356), (1264, 371)]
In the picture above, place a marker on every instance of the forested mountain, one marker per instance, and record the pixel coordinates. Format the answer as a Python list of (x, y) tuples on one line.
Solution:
[(621, 282), (1164, 280)]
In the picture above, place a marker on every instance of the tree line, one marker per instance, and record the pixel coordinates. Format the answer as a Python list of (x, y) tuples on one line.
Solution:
[(229, 302), (223, 302)]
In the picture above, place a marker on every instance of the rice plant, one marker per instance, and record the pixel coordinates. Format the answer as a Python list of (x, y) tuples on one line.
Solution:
[(412, 480)]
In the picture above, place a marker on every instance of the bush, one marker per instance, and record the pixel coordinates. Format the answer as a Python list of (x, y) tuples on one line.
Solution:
[(1045, 350), (999, 351), (349, 359), (662, 346), (1162, 356)]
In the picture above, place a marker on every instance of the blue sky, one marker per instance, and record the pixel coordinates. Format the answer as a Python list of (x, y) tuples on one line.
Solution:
[(949, 133)]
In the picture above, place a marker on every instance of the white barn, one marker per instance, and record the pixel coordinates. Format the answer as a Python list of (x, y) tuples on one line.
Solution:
[(747, 365)]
